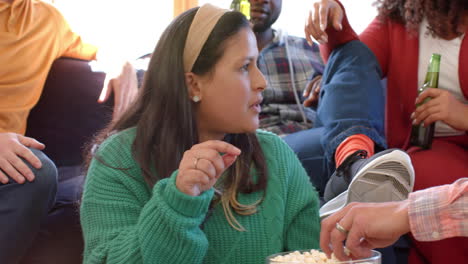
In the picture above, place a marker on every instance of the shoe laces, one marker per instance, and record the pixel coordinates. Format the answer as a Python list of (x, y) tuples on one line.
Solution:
[(344, 170)]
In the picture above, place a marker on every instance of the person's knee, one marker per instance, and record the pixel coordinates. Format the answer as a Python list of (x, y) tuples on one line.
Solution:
[(355, 49), (353, 54), (44, 185)]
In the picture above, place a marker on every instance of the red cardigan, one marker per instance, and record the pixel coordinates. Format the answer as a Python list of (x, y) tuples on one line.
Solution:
[(398, 53)]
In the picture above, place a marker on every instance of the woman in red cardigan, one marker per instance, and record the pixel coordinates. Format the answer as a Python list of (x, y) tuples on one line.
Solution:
[(403, 37)]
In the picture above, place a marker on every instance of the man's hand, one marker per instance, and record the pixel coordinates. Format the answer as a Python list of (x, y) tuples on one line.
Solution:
[(312, 91), (442, 107), (124, 84), (13, 147), (365, 226)]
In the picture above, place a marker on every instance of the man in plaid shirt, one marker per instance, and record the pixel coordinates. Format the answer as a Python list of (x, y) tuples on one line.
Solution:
[(432, 214), (289, 64)]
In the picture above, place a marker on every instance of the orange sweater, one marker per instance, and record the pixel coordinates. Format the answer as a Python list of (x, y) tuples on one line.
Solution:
[(32, 35)]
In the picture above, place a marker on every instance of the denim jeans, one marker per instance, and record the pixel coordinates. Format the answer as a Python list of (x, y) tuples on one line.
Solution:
[(23, 207), (59, 239), (351, 101)]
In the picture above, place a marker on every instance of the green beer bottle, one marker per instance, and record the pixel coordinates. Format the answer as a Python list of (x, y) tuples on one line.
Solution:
[(422, 136), (242, 6)]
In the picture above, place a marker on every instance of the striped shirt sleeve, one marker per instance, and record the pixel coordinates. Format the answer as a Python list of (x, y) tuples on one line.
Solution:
[(440, 212)]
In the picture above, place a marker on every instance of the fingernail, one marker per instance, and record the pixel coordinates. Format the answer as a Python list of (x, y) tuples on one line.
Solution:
[(323, 27), (414, 122), (340, 27), (412, 115)]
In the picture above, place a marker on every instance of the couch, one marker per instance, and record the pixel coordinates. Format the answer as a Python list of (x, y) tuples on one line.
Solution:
[(65, 119)]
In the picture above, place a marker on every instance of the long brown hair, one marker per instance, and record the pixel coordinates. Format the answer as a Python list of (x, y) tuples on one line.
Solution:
[(443, 16), (164, 115)]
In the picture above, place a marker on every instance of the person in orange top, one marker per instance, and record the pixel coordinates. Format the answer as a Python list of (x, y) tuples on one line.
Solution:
[(33, 34)]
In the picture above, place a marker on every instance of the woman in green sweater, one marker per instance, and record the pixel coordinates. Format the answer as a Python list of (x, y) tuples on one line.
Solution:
[(184, 176)]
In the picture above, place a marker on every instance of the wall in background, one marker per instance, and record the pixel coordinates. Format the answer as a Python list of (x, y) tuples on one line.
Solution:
[(132, 28), (126, 28), (294, 13)]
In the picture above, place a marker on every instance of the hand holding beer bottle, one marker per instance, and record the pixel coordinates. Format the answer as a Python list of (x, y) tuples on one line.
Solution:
[(442, 106), (421, 136)]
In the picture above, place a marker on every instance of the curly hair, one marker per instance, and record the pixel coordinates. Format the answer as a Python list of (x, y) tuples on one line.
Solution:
[(443, 16)]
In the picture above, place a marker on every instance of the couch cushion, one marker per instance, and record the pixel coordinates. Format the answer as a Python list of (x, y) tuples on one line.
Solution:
[(68, 114)]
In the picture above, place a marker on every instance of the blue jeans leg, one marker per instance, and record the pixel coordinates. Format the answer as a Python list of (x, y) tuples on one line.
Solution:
[(23, 207), (352, 97), (351, 102), (310, 152), (59, 239)]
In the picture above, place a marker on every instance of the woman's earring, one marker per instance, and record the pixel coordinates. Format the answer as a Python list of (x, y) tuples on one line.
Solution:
[(196, 99)]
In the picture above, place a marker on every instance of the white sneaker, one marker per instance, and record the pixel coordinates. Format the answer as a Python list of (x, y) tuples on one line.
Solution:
[(386, 176)]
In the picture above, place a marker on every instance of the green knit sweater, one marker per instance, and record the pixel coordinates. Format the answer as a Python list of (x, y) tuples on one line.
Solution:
[(125, 221)]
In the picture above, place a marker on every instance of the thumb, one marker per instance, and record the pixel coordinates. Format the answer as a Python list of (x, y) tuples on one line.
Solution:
[(336, 18), (106, 89)]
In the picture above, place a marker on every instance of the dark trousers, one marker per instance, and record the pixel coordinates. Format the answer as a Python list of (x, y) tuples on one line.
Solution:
[(23, 207), (59, 239)]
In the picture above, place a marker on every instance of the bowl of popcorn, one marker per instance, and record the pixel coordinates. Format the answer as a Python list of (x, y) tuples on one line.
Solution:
[(314, 256)]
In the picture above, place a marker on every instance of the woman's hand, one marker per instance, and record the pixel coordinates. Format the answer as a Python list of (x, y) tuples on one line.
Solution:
[(325, 13), (442, 107), (203, 164)]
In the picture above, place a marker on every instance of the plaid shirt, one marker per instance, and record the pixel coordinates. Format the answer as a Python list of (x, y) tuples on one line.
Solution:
[(280, 112), (440, 212)]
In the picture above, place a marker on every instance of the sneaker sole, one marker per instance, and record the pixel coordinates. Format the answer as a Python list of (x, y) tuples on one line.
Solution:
[(392, 169), (389, 177)]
